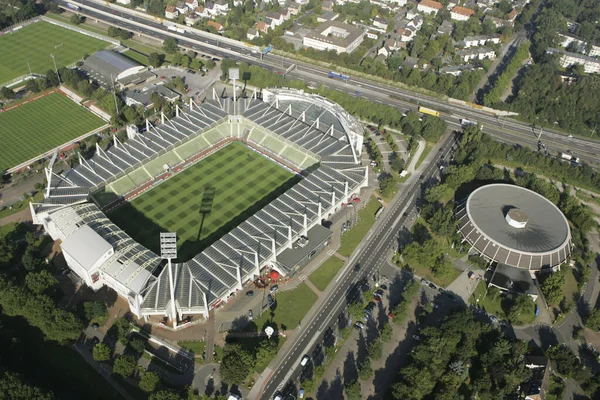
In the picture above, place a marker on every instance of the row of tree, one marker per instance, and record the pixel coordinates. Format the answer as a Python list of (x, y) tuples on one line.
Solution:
[(503, 81)]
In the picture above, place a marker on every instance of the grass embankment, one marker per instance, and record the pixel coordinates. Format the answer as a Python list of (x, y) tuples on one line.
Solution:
[(326, 272), (353, 237), (291, 306)]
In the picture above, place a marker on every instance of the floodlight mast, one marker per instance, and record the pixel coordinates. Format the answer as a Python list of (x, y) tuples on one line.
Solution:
[(168, 251), (234, 75)]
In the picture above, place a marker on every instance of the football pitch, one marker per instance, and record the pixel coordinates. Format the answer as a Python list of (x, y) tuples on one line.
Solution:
[(205, 201), (34, 44), (40, 125)]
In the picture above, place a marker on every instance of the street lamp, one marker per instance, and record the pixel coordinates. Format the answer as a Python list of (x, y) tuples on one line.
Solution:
[(55, 69)]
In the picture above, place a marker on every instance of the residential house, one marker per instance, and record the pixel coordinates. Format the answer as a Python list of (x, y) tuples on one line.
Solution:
[(537, 386), (400, 3), (512, 16), (202, 12), (222, 6), (191, 19), (252, 34), (390, 45), (273, 19), (210, 9), (459, 13), (125, 2), (446, 28), (302, 2), (294, 9), (405, 34), (191, 4), (181, 7), (411, 14), (371, 34), (327, 5), (456, 70), (429, 6), (218, 27), (262, 27), (569, 79), (171, 12), (416, 22), (480, 40), (476, 54), (410, 63), (591, 65), (327, 16), (380, 23), (285, 13)]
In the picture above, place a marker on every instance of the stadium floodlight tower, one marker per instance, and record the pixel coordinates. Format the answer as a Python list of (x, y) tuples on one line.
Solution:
[(234, 75), (168, 251)]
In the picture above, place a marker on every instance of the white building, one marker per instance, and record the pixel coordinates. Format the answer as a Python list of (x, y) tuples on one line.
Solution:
[(476, 41), (567, 39), (591, 65), (191, 4), (476, 54), (429, 6), (125, 2), (459, 13), (171, 12), (333, 35)]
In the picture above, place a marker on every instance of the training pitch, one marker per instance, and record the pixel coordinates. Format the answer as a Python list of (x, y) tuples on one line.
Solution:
[(34, 44), (205, 201), (36, 127)]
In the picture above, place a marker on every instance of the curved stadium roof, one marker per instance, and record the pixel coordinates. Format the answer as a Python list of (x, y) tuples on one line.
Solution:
[(545, 241)]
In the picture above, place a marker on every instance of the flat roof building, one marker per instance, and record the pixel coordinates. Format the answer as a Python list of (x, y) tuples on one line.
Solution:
[(333, 35)]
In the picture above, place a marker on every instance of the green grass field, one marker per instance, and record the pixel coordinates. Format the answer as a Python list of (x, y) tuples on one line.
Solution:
[(35, 43), (205, 201), (39, 126), (325, 273), (291, 307), (352, 238)]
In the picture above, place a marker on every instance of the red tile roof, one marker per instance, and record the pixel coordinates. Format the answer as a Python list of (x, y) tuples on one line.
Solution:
[(431, 4), (463, 11)]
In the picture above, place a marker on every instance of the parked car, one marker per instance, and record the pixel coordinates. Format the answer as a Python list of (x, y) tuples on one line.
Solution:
[(95, 326), (250, 315), (305, 360), (359, 325), (274, 288), (377, 299), (379, 291), (250, 293), (270, 300), (384, 287)]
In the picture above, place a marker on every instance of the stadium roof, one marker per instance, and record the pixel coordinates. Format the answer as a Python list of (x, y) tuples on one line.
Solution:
[(545, 239), (212, 274)]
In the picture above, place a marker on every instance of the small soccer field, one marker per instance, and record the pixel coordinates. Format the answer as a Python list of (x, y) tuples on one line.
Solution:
[(205, 201), (36, 127), (34, 44)]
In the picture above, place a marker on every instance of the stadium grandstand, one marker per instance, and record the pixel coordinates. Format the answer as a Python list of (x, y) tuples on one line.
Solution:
[(100, 253)]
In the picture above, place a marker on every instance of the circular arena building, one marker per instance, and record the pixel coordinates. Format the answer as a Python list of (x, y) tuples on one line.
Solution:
[(515, 226)]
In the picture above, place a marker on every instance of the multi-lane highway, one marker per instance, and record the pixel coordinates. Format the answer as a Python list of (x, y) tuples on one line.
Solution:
[(504, 129), (374, 250)]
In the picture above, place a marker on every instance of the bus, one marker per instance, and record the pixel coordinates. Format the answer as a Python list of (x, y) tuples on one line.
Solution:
[(73, 7), (429, 111), (336, 75)]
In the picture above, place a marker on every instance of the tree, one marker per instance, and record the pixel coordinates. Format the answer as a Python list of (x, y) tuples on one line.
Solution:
[(137, 345), (39, 282), (155, 59), (6, 251), (124, 34), (523, 304), (170, 45), (397, 162), (592, 320), (101, 352), (387, 184), (76, 19), (375, 349), (552, 287), (85, 88), (14, 388), (149, 381), (6, 93), (124, 365), (164, 394), (94, 309), (236, 363), (31, 259), (386, 332), (365, 371), (120, 330), (352, 390)]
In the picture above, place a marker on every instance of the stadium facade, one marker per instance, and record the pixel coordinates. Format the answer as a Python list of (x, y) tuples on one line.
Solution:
[(515, 227), (308, 134)]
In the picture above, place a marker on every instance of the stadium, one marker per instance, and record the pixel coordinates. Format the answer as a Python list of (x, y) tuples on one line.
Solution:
[(515, 227), (312, 148)]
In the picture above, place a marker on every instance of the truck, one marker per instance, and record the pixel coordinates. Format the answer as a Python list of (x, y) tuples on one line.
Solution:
[(336, 75), (73, 7), (569, 157), (466, 122), (429, 111), (379, 212), (180, 30), (172, 28)]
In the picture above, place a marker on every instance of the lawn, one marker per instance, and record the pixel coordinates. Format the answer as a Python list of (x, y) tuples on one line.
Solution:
[(21, 204), (139, 57), (34, 44), (205, 201), (424, 154), (492, 304), (40, 125), (352, 238), (290, 308), (425, 272), (325, 273), (196, 347)]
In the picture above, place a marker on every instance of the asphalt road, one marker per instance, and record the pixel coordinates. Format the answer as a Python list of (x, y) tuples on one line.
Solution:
[(372, 253), (504, 129)]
